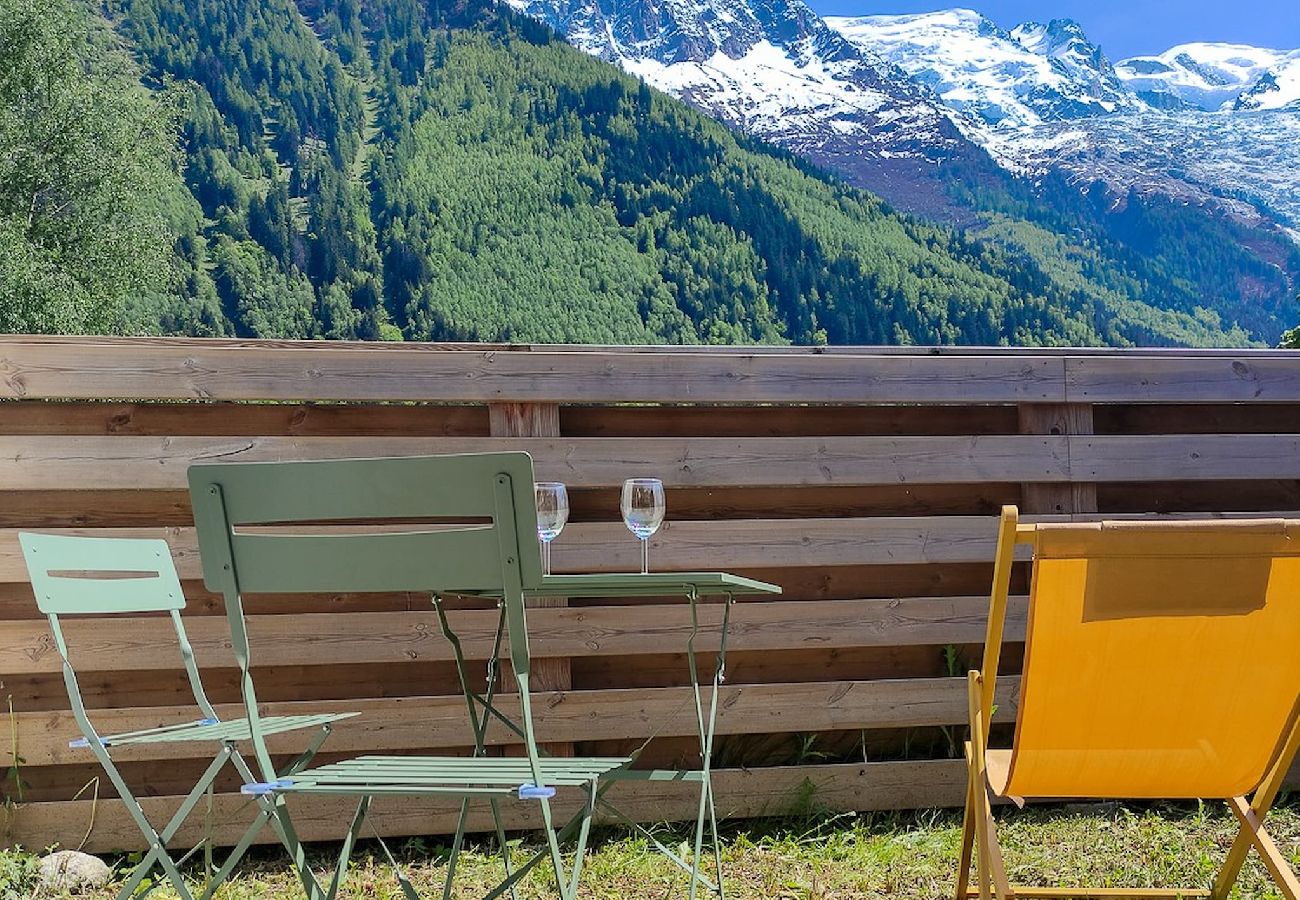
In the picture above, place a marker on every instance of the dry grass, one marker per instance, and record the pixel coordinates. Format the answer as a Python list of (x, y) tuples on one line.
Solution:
[(909, 856)]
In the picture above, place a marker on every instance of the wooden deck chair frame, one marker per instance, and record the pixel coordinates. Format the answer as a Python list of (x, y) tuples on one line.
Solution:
[(979, 835), (499, 557), (84, 576)]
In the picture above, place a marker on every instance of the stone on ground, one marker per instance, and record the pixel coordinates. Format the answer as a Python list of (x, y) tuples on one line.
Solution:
[(73, 871)]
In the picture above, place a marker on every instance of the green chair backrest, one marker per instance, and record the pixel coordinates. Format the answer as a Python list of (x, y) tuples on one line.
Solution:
[(265, 527), (434, 524), (73, 575), (86, 576)]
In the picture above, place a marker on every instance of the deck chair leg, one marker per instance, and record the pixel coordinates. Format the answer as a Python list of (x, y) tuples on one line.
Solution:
[(1251, 816), (967, 841), (1253, 834)]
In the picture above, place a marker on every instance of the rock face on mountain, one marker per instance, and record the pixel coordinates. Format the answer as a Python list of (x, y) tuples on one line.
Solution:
[(1033, 74)]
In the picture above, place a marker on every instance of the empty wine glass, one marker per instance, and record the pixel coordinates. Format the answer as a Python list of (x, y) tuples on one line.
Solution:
[(643, 512), (552, 514)]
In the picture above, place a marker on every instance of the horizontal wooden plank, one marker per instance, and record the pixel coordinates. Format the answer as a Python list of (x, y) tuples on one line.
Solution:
[(137, 644), (705, 546), (1216, 378), (1191, 457), (741, 793), (685, 546), (83, 463), (127, 508), (416, 723), (34, 369), (76, 463)]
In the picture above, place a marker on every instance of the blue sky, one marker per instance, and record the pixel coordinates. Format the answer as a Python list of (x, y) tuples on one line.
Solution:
[(1122, 27)]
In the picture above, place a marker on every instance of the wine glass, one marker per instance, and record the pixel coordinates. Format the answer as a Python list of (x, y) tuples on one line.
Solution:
[(552, 514), (643, 512)]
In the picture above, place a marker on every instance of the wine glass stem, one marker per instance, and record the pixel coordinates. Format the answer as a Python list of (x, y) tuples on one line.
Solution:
[(546, 556), (645, 556)]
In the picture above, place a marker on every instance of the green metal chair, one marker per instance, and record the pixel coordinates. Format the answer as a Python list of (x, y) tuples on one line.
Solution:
[(476, 532), (74, 576)]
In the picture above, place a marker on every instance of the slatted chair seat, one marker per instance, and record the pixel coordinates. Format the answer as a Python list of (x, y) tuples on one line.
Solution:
[(406, 775), (232, 730)]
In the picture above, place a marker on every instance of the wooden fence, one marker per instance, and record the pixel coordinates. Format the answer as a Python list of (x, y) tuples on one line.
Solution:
[(865, 481)]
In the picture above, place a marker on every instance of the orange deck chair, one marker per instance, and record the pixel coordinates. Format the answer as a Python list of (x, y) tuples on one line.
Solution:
[(1162, 660)]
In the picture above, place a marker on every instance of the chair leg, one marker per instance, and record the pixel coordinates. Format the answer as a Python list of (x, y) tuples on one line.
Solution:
[(1253, 834), (158, 854), (967, 842), (717, 847), (236, 854), (502, 845), (456, 844), (281, 823)]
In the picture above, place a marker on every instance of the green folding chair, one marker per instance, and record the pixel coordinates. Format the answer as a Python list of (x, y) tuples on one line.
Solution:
[(266, 528), (76, 576)]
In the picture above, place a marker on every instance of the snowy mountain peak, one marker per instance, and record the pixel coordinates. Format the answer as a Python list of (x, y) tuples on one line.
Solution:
[(1033, 74), (1064, 43), (1199, 75)]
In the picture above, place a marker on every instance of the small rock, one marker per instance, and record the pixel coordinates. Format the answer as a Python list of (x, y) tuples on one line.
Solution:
[(73, 871)]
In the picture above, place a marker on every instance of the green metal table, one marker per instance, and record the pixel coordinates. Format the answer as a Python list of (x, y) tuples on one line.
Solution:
[(694, 586)]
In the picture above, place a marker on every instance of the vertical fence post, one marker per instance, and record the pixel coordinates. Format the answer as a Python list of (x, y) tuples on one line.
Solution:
[(1061, 498), (534, 420)]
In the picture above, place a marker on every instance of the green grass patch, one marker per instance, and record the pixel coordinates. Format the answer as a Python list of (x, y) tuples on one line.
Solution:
[(911, 856)]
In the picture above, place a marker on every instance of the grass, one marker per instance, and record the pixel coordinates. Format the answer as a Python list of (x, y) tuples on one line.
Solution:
[(911, 857)]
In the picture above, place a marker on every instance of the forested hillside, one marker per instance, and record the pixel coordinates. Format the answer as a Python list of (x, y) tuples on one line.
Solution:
[(393, 169)]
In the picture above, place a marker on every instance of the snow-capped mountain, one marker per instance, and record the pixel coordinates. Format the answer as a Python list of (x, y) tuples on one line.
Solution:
[(1278, 88), (1198, 75), (1034, 74), (1063, 42), (893, 102), (775, 70)]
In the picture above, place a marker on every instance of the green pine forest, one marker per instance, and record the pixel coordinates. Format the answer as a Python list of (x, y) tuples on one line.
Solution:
[(447, 170)]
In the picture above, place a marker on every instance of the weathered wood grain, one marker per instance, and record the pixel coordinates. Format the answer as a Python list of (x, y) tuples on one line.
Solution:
[(111, 644), (1065, 421), (415, 723), (1182, 378), (83, 463), (31, 369), (685, 546), (1190, 457)]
